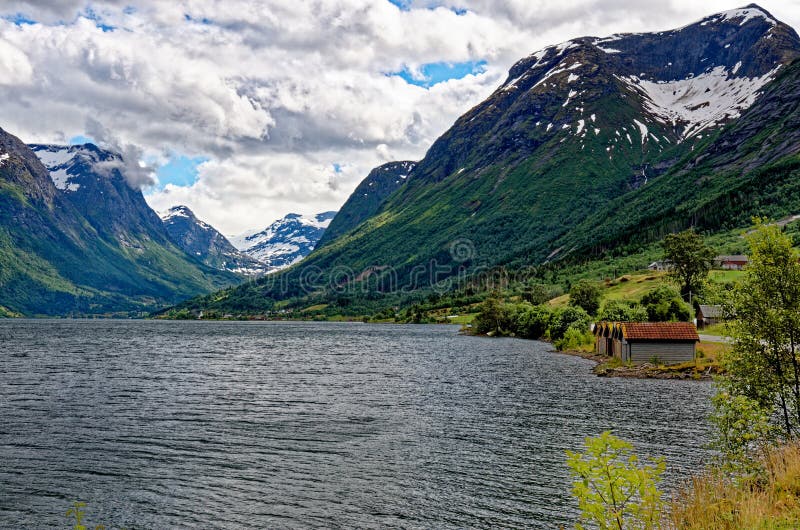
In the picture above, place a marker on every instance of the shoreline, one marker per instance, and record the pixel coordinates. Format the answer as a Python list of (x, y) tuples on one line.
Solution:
[(683, 371)]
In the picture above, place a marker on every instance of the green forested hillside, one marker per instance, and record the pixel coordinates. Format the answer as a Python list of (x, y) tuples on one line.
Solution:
[(56, 261)]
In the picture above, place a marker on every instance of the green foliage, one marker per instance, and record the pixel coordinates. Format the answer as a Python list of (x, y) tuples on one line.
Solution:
[(690, 258), (538, 294), (618, 311), (532, 322), (743, 431), (586, 295), (568, 317), (494, 317), (764, 365), (574, 339), (664, 304), (77, 514), (614, 489)]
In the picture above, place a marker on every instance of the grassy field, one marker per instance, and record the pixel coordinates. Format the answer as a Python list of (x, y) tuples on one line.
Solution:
[(629, 287)]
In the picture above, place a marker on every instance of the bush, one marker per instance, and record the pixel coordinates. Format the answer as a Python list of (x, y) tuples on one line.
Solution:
[(616, 311), (664, 304), (532, 322), (574, 339), (568, 317), (586, 295)]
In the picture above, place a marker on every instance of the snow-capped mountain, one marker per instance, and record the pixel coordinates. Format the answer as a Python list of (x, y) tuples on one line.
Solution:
[(589, 146), (286, 241), (205, 243), (93, 180), (80, 240)]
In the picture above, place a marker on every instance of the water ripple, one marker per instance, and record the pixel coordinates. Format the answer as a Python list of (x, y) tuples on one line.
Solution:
[(297, 425)]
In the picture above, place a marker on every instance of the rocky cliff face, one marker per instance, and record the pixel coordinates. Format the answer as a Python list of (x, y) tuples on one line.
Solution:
[(205, 243)]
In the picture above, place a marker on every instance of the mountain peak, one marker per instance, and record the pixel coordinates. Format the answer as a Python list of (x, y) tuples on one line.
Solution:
[(743, 15), (204, 243), (286, 241), (177, 211)]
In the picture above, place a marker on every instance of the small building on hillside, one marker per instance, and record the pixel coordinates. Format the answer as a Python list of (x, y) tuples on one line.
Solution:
[(642, 342), (733, 263), (708, 315), (661, 265)]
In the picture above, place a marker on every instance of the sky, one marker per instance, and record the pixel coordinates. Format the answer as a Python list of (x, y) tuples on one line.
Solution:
[(245, 111)]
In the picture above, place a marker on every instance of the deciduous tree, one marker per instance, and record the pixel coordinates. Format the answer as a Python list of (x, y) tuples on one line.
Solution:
[(690, 260)]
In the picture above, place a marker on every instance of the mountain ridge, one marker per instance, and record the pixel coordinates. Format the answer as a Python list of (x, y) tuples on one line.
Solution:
[(91, 246), (203, 241), (526, 176)]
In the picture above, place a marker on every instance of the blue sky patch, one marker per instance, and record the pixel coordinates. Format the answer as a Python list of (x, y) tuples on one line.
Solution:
[(180, 171), (434, 73), (98, 21), (20, 19), (80, 140), (205, 21), (404, 5)]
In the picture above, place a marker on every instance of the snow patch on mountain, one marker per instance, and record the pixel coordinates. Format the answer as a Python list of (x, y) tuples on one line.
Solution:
[(286, 241), (745, 14), (702, 101), (59, 159)]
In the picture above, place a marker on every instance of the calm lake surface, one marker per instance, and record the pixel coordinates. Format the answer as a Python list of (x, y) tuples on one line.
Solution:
[(258, 424)]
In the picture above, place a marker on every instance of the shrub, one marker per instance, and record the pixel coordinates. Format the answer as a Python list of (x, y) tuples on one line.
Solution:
[(664, 304), (567, 317), (617, 311), (574, 339), (586, 295), (532, 322), (615, 490)]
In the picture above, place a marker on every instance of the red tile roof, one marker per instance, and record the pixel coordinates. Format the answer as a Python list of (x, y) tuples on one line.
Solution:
[(677, 331)]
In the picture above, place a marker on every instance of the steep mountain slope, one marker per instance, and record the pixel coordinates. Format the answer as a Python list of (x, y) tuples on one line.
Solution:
[(286, 241), (204, 242), (574, 126), (580, 138), (80, 241), (368, 197), (750, 168)]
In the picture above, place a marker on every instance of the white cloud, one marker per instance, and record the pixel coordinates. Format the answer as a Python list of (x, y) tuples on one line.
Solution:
[(275, 93)]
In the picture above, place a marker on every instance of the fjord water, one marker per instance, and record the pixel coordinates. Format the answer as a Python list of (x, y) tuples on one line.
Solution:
[(256, 425)]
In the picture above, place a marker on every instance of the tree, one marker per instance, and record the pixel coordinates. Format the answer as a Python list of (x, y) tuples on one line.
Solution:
[(664, 304), (763, 365), (493, 317), (586, 295), (690, 260), (536, 294), (614, 490)]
